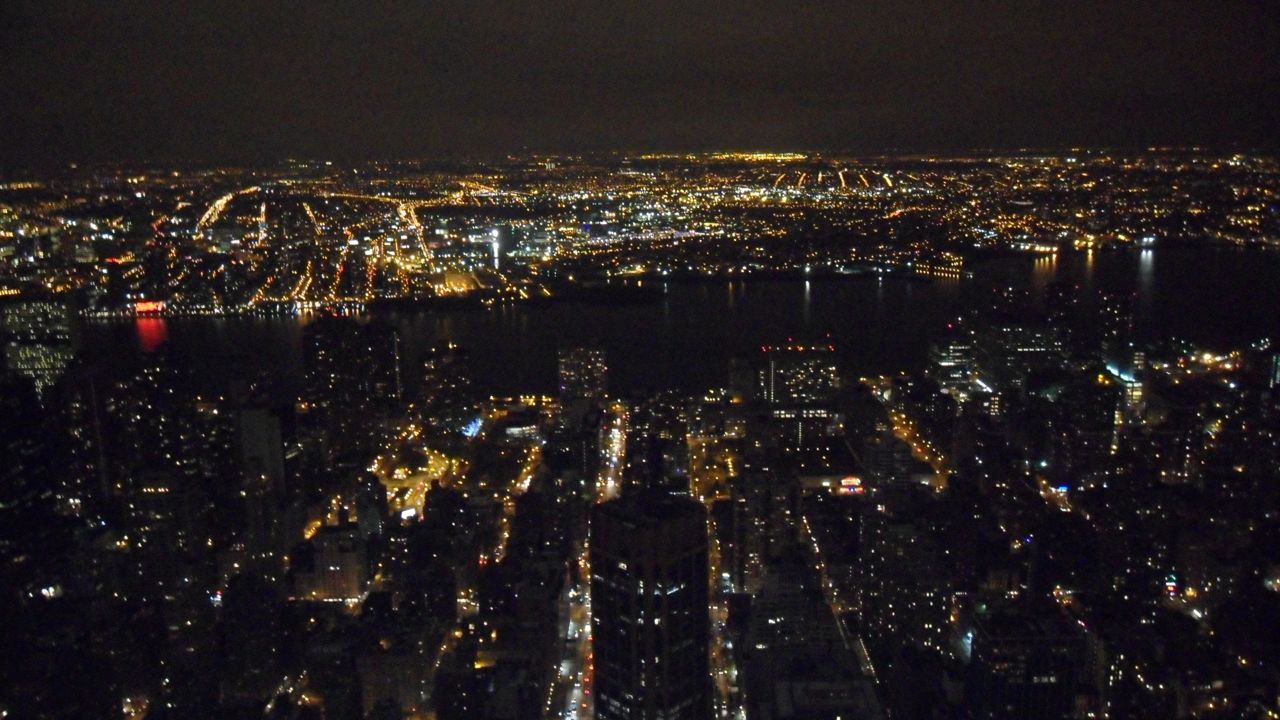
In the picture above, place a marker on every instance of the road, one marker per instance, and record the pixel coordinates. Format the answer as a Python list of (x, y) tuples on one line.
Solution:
[(904, 427), (570, 698)]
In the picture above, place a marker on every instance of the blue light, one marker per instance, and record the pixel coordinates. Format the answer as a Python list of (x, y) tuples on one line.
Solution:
[(472, 428)]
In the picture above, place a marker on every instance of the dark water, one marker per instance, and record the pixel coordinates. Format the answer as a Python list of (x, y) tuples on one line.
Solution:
[(1217, 297)]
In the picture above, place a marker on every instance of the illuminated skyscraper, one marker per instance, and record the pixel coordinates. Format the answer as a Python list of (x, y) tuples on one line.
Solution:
[(951, 365), (353, 383), (799, 384), (583, 374), (649, 600), (445, 397), (39, 339), (799, 375)]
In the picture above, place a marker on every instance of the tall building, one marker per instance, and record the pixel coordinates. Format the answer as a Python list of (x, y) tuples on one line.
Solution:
[(353, 382), (583, 374), (1115, 321), (1024, 664), (649, 599), (261, 462), (799, 384), (907, 581), (794, 659), (951, 365), (1004, 354), (39, 339), (446, 398), (340, 568), (799, 374)]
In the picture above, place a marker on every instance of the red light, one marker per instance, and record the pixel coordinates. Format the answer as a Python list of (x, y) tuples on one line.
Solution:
[(146, 307), (152, 333)]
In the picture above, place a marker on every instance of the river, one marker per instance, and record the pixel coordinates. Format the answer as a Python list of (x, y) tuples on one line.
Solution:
[(1216, 296)]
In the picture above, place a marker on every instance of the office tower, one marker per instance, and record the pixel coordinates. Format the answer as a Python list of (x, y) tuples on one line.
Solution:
[(742, 378), (951, 365), (583, 374), (251, 640), (907, 580), (799, 384), (446, 398), (30, 466), (39, 339), (349, 362), (649, 600), (1023, 664), (261, 446), (1004, 354), (372, 509), (1065, 309), (799, 374), (168, 448), (1115, 321), (85, 487), (353, 382), (340, 566), (261, 460)]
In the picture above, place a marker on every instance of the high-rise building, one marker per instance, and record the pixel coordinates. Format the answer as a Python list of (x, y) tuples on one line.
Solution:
[(649, 599), (907, 582), (339, 572), (1023, 664), (799, 384), (795, 661), (951, 365), (445, 396), (799, 375), (1115, 320), (583, 374), (353, 383), (39, 339), (1004, 354), (261, 461)]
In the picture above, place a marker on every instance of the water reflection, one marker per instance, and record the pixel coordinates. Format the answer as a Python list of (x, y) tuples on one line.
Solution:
[(1043, 272), (152, 333), (1146, 281), (877, 324)]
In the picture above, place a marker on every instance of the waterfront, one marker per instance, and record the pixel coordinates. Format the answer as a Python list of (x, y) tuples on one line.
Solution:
[(687, 338)]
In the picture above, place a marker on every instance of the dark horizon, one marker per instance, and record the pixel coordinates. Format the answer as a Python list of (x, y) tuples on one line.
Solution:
[(72, 168), (230, 83)]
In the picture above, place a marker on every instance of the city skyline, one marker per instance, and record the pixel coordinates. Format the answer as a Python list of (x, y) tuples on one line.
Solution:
[(479, 360)]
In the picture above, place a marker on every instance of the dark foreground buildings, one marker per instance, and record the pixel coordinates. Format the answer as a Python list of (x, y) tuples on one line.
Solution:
[(649, 607)]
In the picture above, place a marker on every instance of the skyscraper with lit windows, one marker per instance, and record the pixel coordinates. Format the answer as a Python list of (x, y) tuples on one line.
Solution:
[(583, 373), (649, 601), (799, 384), (38, 339)]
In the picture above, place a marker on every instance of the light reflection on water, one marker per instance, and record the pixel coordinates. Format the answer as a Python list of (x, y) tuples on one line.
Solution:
[(686, 338)]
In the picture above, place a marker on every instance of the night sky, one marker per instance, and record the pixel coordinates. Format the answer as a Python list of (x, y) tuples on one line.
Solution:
[(107, 80)]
